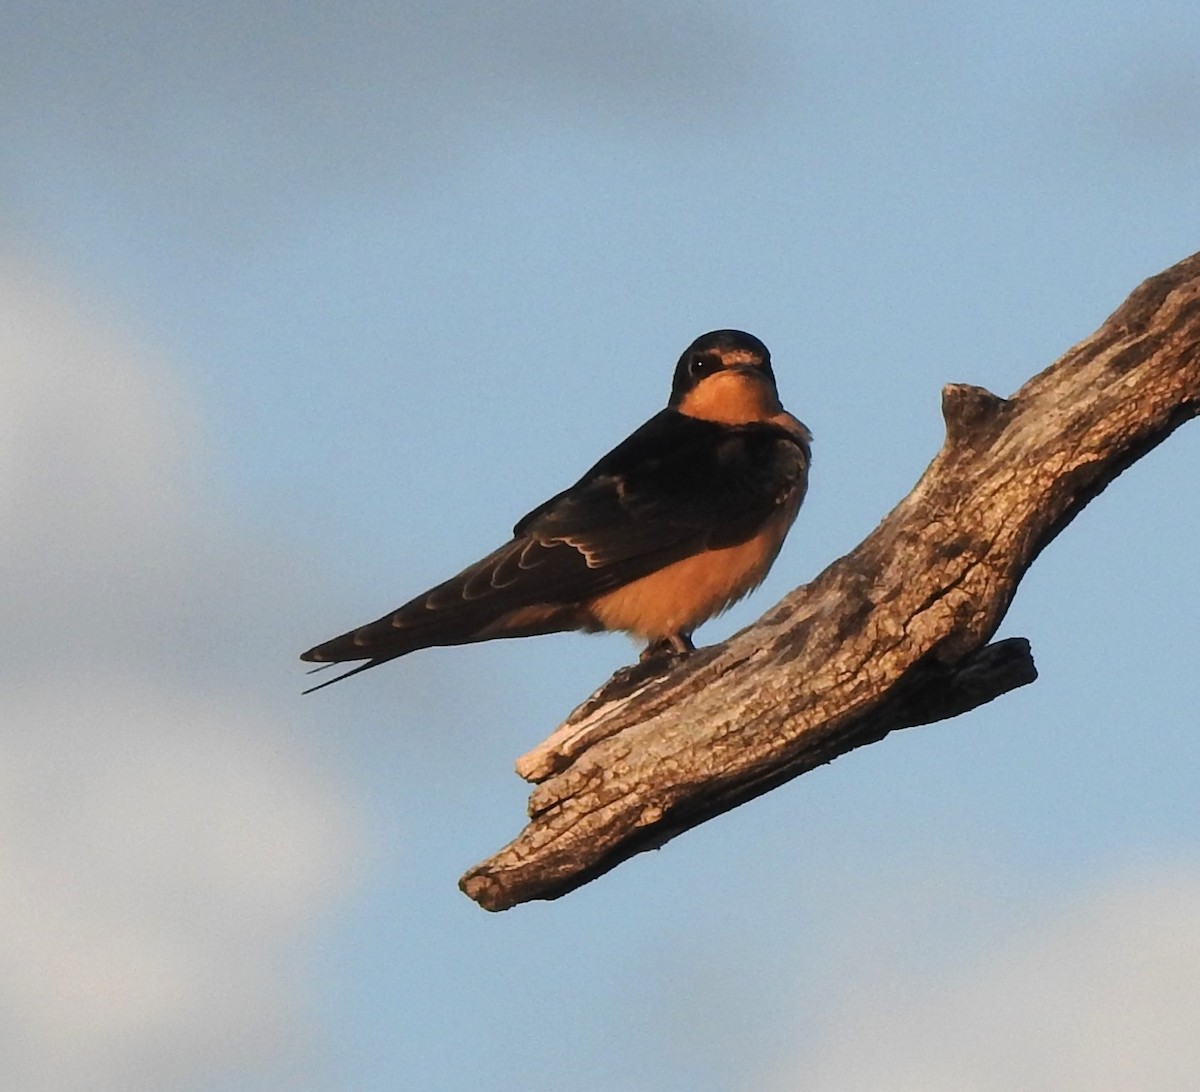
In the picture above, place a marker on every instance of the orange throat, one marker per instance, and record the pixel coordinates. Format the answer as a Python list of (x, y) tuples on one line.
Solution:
[(732, 398)]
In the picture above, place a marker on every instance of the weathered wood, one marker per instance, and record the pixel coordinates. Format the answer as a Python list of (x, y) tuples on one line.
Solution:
[(892, 635)]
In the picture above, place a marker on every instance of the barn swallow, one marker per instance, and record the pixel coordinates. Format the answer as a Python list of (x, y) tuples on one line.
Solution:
[(670, 528)]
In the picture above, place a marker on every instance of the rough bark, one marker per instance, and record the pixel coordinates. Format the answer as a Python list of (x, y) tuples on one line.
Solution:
[(892, 635)]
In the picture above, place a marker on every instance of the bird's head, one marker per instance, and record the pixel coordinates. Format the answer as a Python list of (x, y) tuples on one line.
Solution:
[(725, 376)]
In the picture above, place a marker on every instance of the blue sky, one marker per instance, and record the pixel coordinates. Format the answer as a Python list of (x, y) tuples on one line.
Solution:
[(304, 307)]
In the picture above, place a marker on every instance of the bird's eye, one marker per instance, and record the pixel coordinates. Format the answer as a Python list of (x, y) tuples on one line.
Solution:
[(704, 365)]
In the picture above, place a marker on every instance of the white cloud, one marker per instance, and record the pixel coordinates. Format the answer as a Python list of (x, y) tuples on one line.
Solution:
[(92, 457), (1103, 994), (164, 845)]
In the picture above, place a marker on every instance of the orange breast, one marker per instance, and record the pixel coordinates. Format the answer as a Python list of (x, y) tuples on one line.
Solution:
[(680, 596)]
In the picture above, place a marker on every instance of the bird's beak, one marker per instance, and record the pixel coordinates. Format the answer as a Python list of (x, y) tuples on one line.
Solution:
[(751, 370)]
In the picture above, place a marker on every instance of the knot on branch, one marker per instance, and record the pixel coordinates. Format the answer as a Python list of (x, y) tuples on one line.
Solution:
[(973, 415), (936, 691)]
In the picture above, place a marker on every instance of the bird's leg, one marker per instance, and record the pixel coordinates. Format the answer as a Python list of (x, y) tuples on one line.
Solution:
[(658, 657), (676, 644)]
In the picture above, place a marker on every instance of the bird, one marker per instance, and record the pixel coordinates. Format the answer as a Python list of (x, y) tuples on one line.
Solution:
[(671, 527)]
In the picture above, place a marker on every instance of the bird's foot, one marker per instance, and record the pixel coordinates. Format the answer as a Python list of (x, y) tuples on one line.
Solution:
[(672, 648)]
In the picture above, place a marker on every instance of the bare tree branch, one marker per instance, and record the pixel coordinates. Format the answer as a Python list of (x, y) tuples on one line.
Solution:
[(892, 635)]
